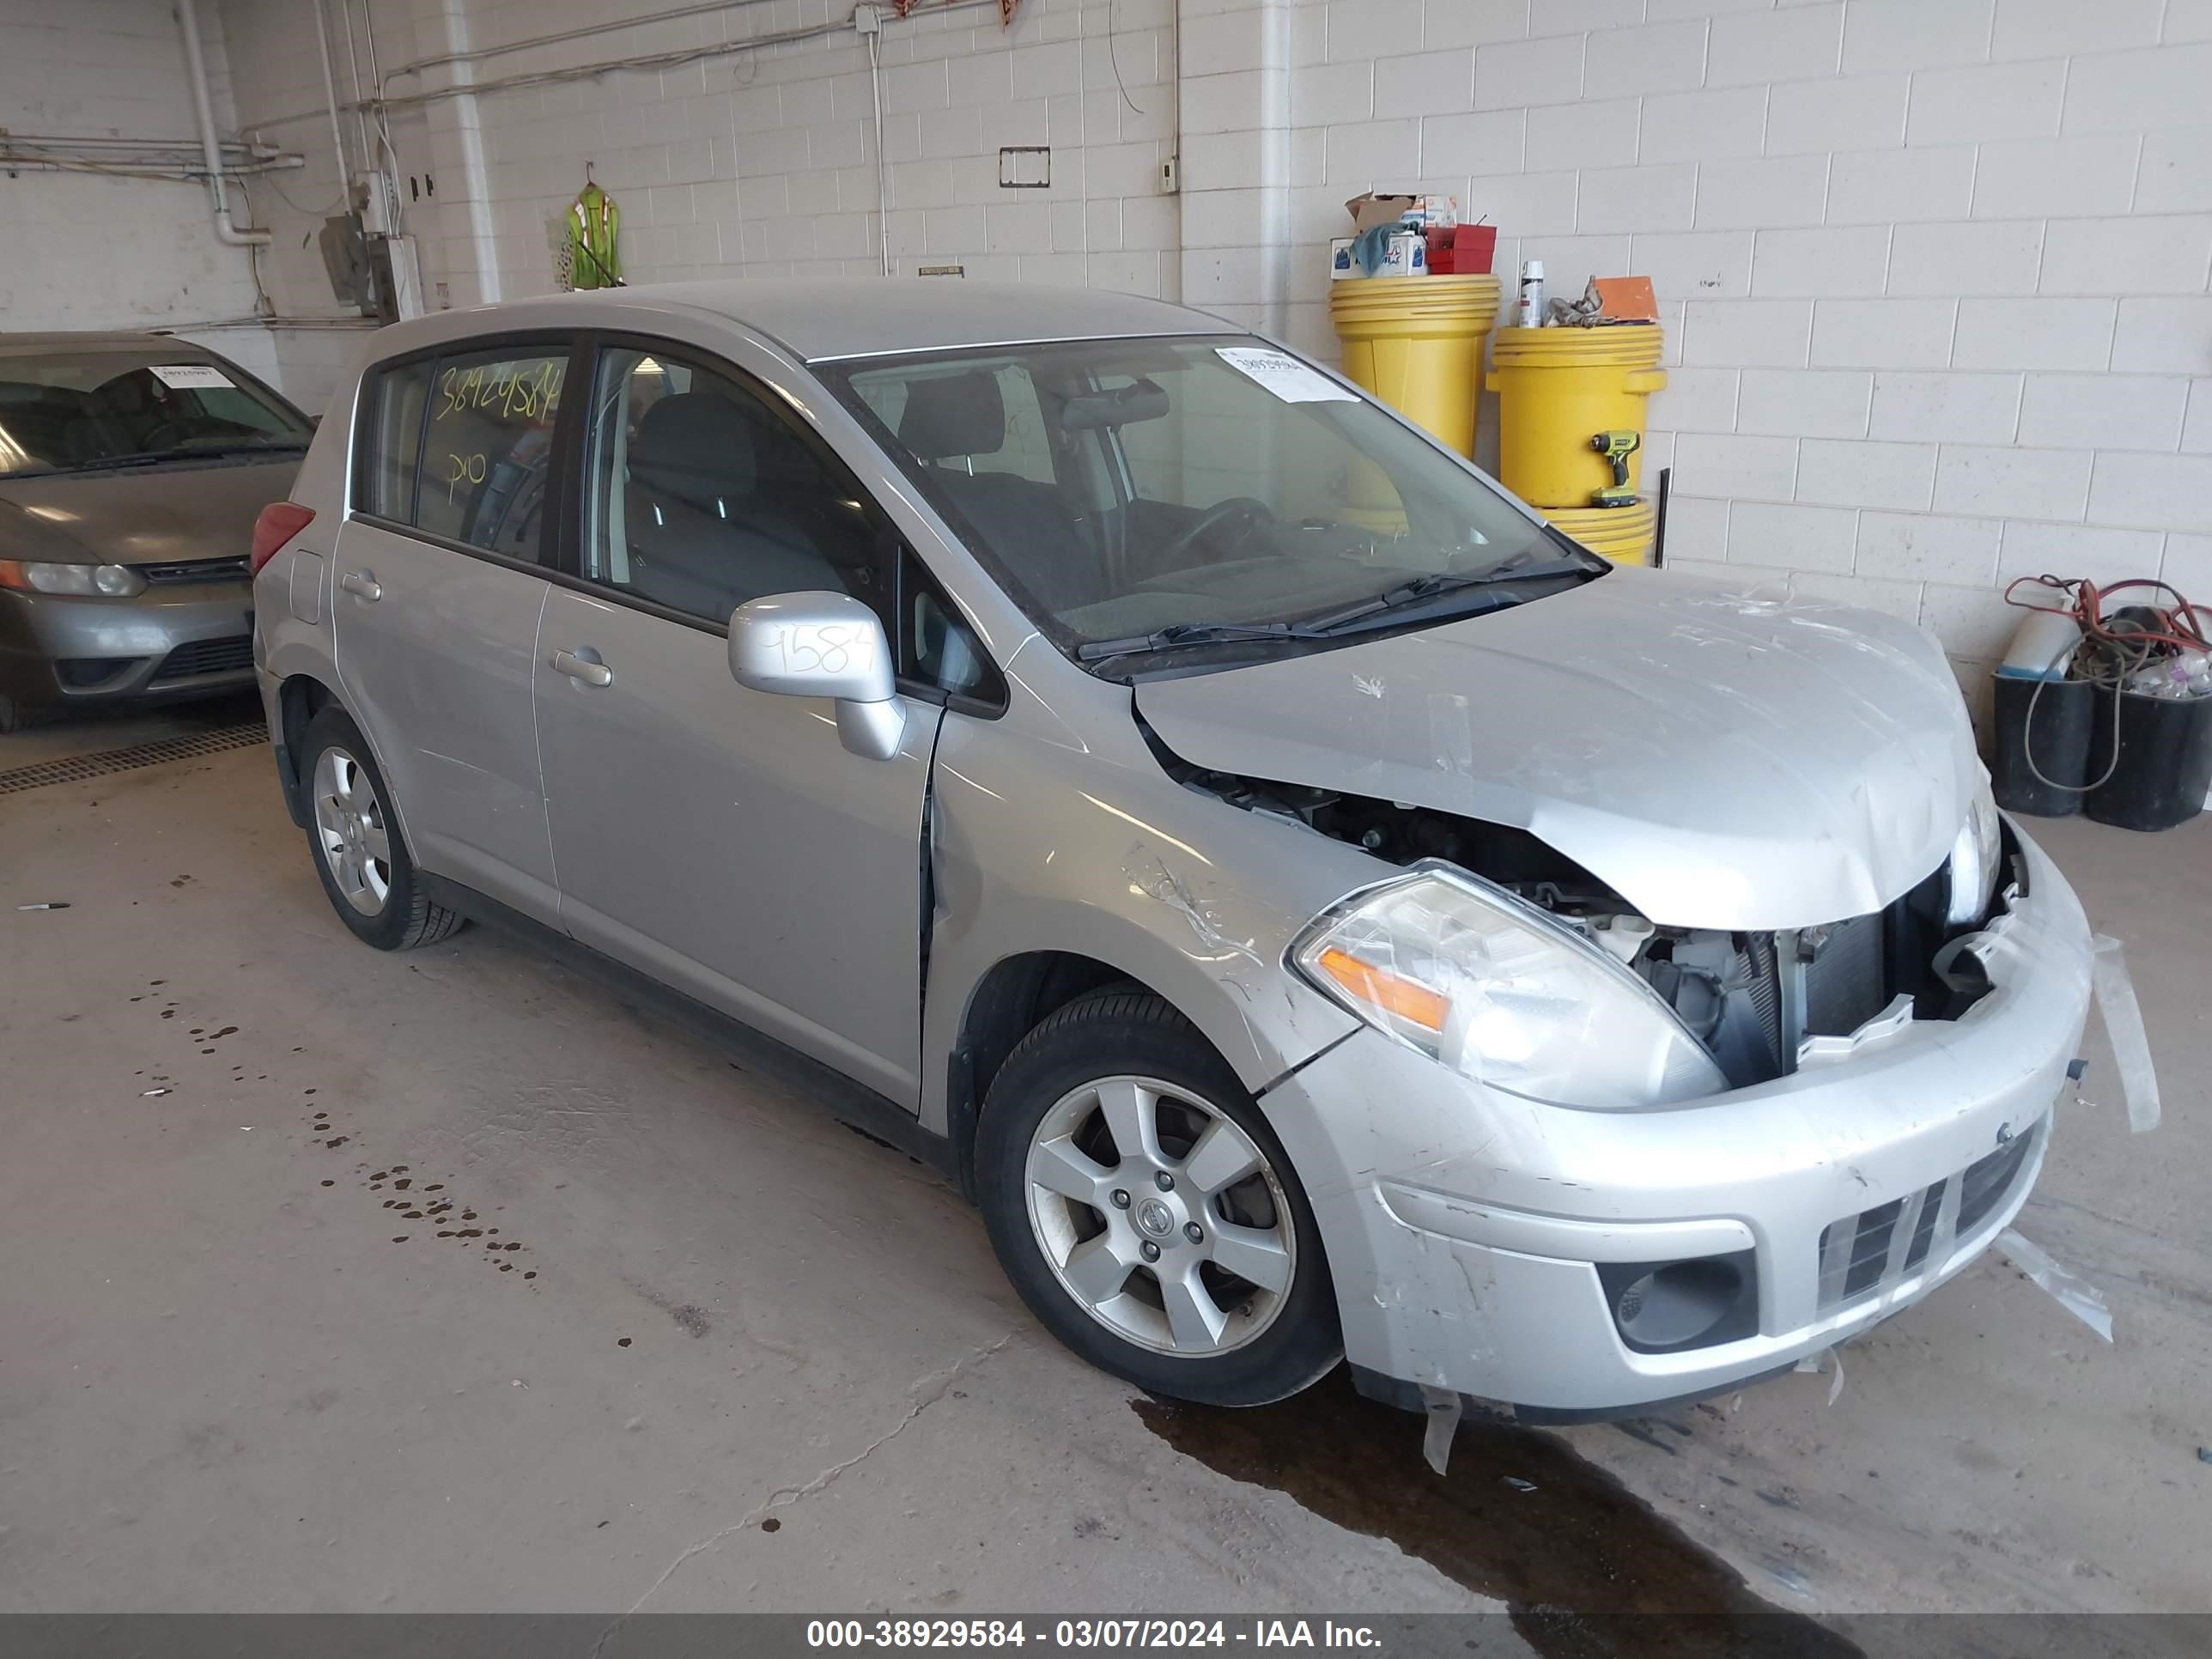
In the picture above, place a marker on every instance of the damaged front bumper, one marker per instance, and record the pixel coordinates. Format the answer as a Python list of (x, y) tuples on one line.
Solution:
[(1487, 1244)]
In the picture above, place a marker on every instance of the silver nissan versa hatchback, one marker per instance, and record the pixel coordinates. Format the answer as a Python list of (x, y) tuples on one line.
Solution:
[(1314, 909)]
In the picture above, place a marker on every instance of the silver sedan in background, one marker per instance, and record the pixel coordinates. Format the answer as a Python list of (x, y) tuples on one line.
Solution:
[(132, 466)]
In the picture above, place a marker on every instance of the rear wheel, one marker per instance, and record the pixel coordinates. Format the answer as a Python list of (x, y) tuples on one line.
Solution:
[(1146, 1211), (359, 852)]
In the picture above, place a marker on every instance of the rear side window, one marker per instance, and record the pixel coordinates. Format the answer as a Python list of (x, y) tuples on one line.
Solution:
[(395, 440), (461, 446)]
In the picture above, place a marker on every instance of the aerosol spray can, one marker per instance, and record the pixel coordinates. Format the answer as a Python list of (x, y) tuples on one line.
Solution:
[(1528, 309)]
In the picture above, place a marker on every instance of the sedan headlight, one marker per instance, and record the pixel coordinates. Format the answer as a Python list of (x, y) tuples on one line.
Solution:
[(1500, 991), (114, 581), (1975, 858)]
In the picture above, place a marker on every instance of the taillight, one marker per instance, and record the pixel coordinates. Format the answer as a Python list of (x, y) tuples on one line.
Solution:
[(279, 522)]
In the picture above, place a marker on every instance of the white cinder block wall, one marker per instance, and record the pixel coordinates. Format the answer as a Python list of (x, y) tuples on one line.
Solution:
[(1935, 271), (89, 250)]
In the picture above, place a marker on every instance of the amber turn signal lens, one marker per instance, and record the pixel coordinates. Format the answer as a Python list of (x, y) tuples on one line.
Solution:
[(1393, 994)]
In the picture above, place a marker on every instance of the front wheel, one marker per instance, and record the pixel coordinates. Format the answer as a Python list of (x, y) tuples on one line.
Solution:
[(1146, 1211)]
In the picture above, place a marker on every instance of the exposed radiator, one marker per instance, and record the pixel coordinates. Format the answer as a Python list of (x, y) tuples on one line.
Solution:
[(1844, 982)]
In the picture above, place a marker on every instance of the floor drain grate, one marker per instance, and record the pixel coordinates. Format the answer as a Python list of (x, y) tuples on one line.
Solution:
[(76, 768)]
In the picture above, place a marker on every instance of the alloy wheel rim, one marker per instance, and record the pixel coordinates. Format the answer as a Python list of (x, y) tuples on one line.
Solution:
[(351, 832), (1160, 1217)]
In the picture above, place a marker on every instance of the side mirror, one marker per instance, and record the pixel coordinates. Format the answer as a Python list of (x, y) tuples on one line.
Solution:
[(822, 644)]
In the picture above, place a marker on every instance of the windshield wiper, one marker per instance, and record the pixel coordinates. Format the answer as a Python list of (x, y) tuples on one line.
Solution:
[(1204, 633), (142, 458), (1440, 582), (186, 452)]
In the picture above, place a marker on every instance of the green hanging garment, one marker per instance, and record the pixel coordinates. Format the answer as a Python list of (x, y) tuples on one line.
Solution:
[(594, 225)]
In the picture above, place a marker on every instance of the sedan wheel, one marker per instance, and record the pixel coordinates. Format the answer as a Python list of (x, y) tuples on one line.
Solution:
[(1160, 1217), (351, 832)]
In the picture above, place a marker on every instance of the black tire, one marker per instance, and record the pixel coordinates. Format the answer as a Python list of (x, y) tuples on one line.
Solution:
[(1112, 1033), (408, 918), (15, 714)]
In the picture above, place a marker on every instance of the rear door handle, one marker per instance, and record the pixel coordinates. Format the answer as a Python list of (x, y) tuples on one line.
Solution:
[(576, 668), (361, 585)]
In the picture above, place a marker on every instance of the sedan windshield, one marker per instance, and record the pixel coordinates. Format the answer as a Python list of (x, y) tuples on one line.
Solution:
[(1149, 495), (79, 410)]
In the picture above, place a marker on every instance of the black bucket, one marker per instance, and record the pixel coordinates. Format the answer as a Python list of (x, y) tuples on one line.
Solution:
[(2165, 765), (2055, 715)]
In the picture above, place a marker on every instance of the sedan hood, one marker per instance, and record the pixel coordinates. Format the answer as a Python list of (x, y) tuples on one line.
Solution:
[(1723, 760), (141, 515)]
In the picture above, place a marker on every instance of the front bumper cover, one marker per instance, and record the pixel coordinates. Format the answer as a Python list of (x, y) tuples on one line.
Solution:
[(1463, 1224), (39, 631)]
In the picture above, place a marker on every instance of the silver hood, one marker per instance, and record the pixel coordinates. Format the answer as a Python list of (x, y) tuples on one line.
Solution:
[(1723, 760), (149, 515)]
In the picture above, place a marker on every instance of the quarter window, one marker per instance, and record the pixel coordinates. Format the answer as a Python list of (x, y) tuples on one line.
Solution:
[(395, 440), (703, 497)]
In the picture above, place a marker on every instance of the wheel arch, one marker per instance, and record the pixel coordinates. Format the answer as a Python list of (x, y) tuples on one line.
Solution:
[(1014, 997), (300, 697)]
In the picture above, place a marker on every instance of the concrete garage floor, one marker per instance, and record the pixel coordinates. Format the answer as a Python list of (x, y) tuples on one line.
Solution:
[(713, 1351)]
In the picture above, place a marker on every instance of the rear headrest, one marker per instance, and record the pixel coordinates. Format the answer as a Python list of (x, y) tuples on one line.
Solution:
[(958, 415), (695, 446)]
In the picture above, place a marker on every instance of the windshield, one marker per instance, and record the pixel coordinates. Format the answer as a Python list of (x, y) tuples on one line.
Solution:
[(1217, 491), (78, 410)]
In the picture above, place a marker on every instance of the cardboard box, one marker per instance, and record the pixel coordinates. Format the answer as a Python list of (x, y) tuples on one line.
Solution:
[(1405, 254), (1372, 209)]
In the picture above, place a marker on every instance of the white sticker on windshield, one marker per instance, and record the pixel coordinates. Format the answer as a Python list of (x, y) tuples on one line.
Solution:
[(1292, 381), (183, 377)]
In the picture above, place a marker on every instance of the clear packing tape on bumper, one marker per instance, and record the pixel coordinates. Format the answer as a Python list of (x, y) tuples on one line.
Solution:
[(2124, 1027), (2072, 1293)]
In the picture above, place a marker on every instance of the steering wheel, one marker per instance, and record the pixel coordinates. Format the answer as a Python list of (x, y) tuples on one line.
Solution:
[(1249, 513), (161, 436)]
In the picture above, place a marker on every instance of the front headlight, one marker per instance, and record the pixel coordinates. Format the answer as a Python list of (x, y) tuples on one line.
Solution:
[(114, 581), (1975, 857), (1489, 985)]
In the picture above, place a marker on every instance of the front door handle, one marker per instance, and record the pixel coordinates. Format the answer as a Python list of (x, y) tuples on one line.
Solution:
[(361, 585), (578, 668)]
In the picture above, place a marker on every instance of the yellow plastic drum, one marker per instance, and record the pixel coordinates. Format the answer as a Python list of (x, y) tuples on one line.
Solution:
[(1559, 387), (1622, 534), (1416, 343)]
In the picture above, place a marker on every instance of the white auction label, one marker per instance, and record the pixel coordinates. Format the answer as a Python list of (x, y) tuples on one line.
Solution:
[(1292, 381), (183, 377)]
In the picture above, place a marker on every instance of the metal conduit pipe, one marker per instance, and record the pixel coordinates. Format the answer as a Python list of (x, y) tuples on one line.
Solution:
[(73, 141), (330, 90), (210, 147), (882, 163)]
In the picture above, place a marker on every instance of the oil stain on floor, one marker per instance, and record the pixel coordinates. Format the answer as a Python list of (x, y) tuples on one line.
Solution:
[(1588, 1570)]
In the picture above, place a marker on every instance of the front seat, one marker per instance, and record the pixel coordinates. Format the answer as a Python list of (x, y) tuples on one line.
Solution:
[(702, 538), (1026, 523)]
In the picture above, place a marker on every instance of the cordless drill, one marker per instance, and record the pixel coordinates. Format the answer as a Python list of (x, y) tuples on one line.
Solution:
[(1616, 447)]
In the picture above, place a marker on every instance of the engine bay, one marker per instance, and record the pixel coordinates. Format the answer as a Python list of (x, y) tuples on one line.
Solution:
[(1751, 998)]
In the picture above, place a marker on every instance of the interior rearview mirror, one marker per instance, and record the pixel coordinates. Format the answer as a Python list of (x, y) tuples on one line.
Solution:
[(822, 644)]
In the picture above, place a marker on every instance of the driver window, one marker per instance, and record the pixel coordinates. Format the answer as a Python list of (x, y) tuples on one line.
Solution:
[(703, 497), (1010, 440)]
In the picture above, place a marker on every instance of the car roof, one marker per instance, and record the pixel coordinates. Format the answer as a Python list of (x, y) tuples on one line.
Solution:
[(874, 316), (102, 339)]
